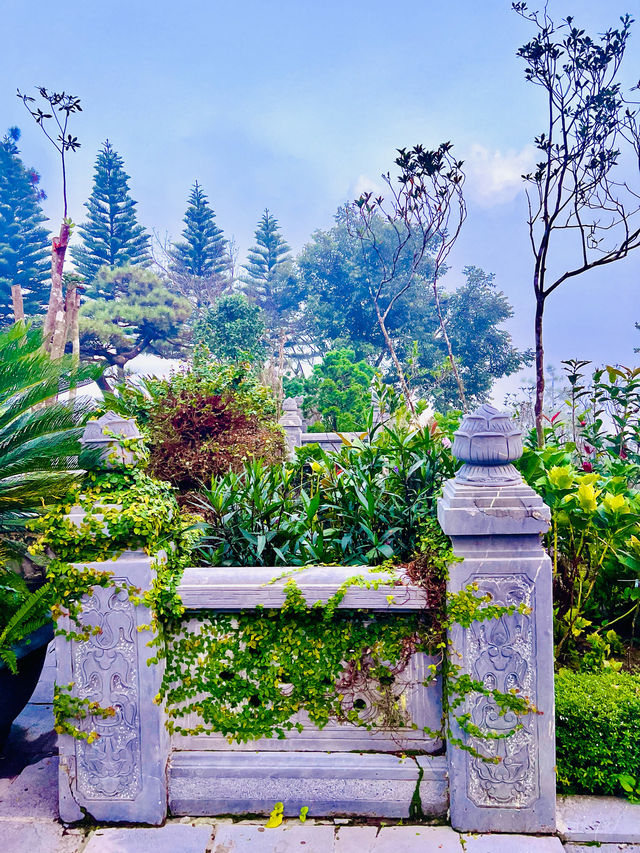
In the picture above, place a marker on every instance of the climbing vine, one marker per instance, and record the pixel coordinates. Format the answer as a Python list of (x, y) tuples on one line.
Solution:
[(250, 675), (253, 674)]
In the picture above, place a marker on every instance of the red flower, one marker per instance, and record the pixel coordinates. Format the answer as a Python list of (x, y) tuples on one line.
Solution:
[(587, 466)]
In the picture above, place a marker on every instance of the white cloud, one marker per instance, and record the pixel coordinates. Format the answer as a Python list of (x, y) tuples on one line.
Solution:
[(365, 184), (494, 177)]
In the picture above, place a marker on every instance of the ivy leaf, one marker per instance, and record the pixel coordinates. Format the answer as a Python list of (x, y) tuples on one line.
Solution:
[(275, 818)]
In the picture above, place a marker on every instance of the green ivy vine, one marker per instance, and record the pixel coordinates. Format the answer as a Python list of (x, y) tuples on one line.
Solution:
[(247, 675)]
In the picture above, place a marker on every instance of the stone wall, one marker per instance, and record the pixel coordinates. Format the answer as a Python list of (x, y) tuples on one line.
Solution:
[(132, 771)]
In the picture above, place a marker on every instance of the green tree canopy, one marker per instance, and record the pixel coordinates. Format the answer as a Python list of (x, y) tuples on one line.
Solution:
[(232, 329), (339, 391), (24, 242), (263, 262), (199, 263), (111, 235), (474, 313), (338, 313), (335, 280), (143, 315)]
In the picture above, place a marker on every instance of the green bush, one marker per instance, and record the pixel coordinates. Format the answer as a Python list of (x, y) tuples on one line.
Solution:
[(203, 422), (364, 504), (597, 730)]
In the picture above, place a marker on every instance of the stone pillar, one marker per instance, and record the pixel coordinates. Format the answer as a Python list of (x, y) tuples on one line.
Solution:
[(495, 521), (291, 422), (121, 775)]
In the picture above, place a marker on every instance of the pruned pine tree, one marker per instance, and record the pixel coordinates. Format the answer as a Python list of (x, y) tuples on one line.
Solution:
[(200, 262), (144, 316), (264, 261), (111, 235), (24, 242)]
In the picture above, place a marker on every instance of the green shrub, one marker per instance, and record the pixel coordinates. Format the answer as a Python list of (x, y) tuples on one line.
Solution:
[(597, 730), (203, 422), (364, 504)]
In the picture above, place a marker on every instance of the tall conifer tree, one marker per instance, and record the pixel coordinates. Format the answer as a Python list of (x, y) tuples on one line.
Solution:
[(24, 243), (111, 235), (264, 260), (199, 263)]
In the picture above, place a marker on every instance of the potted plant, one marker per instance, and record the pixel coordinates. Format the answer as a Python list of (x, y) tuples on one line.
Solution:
[(39, 447)]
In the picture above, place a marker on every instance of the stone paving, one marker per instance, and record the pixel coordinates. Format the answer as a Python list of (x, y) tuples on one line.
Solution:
[(29, 817)]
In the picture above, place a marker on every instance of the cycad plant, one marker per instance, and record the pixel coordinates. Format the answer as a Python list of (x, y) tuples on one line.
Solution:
[(39, 446)]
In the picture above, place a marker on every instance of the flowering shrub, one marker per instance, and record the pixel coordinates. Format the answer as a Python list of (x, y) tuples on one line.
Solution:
[(594, 542)]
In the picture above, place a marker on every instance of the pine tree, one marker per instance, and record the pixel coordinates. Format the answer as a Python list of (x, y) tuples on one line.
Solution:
[(199, 264), (264, 260), (111, 235), (24, 243)]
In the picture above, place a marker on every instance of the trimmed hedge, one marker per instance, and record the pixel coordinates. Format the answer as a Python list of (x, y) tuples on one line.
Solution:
[(597, 729)]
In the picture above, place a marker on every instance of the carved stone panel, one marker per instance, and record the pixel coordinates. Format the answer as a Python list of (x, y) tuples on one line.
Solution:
[(121, 774), (502, 653), (106, 671)]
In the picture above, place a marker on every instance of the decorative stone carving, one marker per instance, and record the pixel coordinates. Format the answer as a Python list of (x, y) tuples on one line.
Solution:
[(503, 652), (120, 776), (106, 668), (487, 442), (494, 521), (102, 434)]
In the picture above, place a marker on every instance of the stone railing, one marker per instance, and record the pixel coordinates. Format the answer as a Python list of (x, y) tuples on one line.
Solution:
[(295, 428), (133, 771)]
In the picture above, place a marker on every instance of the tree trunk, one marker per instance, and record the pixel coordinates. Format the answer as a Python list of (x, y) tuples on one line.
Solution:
[(539, 405), (72, 309), (406, 393), (55, 326), (16, 302), (445, 335)]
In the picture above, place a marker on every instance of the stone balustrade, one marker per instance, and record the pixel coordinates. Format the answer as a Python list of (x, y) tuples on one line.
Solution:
[(133, 771)]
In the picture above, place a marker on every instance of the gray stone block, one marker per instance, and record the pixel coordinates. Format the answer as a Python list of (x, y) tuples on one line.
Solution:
[(43, 694), (571, 847), (510, 844), (173, 837), (121, 775), (34, 793), (397, 839), (598, 819), (328, 784), (243, 588), (243, 838), (26, 836)]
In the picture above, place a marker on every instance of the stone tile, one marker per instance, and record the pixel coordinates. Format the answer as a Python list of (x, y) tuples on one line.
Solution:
[(34, 793), (570, 847), (289, 838), (397, 839), (26, 836), (603, 819), (172, 837), (31, 738), (510, 844)]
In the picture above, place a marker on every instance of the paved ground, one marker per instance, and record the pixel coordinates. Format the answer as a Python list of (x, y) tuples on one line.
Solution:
[(29, 818)]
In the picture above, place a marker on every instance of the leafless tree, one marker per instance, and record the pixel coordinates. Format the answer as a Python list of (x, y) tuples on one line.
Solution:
[(54, 122), (408, 236), (579, 197)]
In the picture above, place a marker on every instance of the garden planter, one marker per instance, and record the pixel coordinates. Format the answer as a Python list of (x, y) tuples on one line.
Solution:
[(16, 690)]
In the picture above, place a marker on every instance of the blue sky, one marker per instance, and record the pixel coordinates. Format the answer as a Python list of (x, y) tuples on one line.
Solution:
[(296, 106)]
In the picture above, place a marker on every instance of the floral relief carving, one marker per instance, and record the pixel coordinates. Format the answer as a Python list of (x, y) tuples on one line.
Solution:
[(503, 654), (105, 671)]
